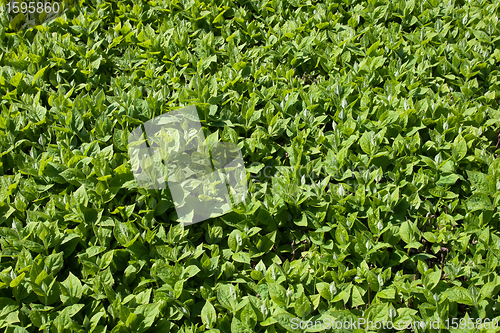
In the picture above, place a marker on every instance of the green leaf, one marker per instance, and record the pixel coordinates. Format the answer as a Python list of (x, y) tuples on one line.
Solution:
[(341, 235), (302, 306), (481, 36), (248, 316), (7, 305), (489, 289), (190, 271), (406, 232), (237, 326), (147, 314), (459, 148), (458, 295), (71, 290), (372, 48), (16, 79), (81, 196), (479, 180), (241, 257), (367, 142), (208, 315), (277, 293), (327, 291), (120, 140), (431, 279), (388, 293), (479, 201), (356, 297), (285, 321), (373, 281), (226, 295), (447, 180), (14, 283)]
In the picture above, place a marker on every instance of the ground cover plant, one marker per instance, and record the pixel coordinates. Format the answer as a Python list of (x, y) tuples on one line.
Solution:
[(369, 130)]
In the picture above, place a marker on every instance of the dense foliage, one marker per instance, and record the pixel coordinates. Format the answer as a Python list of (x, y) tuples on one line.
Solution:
[(369, 130)]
